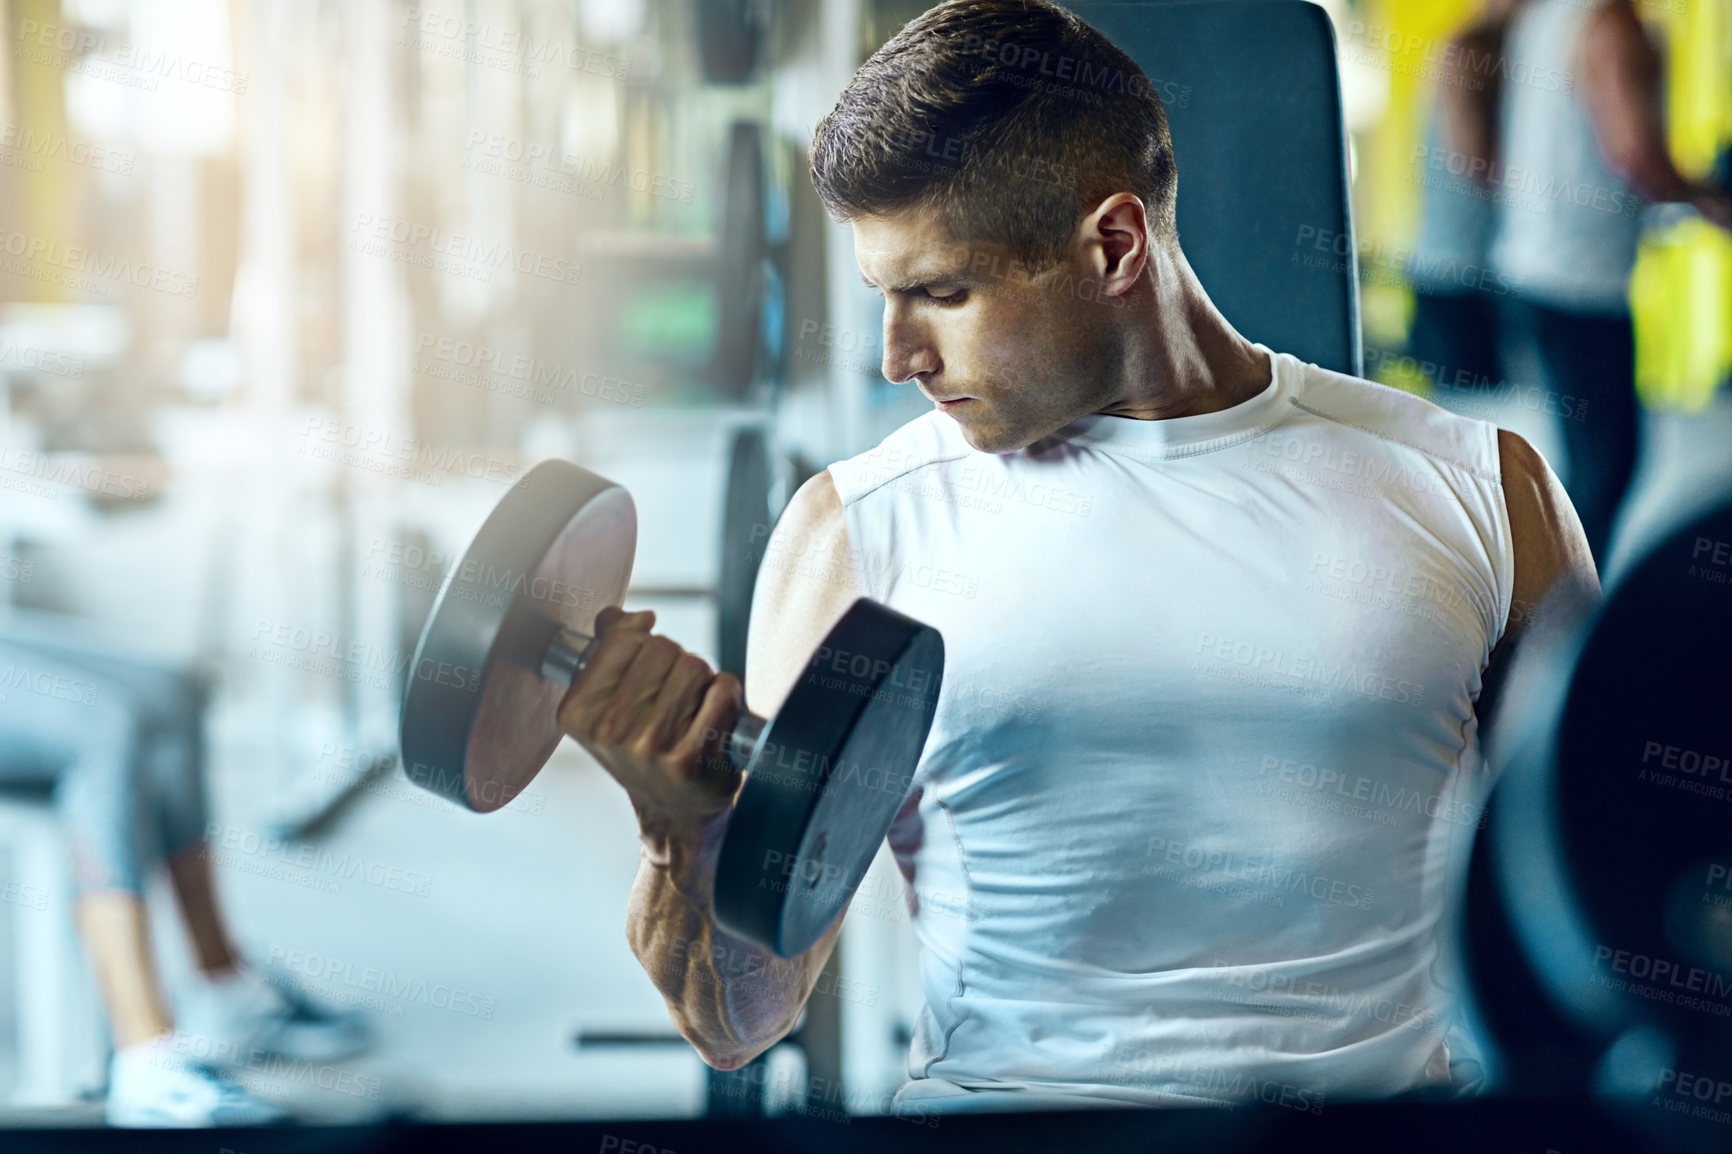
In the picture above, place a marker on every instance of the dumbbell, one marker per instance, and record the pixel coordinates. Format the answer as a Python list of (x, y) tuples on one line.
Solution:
[(513, 626)]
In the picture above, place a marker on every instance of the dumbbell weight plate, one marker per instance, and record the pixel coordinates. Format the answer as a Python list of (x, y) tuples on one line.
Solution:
[(828, 778), (479, 720)]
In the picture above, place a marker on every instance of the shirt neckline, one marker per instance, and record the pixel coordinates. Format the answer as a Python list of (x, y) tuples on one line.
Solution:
[(1200, 433)]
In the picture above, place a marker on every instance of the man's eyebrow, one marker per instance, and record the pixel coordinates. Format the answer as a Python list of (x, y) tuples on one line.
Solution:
[(935, 276)]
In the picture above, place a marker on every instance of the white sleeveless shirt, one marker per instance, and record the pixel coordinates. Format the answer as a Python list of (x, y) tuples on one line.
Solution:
[(1196, 804)]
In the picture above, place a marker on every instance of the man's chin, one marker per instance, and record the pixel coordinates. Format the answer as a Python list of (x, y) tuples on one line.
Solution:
[(988, 438)]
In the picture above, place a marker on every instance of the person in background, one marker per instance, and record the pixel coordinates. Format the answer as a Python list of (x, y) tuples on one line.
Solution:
[(1455, 330), (122, 742), (1581, 132)]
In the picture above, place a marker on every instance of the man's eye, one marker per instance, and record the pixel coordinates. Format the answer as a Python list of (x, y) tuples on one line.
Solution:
[(954, 296)]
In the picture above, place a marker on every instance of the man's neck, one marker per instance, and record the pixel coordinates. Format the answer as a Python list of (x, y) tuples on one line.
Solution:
[(1185, 359)]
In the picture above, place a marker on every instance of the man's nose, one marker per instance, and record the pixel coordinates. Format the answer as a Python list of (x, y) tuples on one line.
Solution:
[(907, 351)]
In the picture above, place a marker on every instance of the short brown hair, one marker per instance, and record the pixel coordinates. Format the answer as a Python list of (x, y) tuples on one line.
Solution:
[(1011, 117)]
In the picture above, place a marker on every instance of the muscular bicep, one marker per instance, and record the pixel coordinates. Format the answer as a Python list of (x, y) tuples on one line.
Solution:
[(1550, 549), (1554, 570), (806, 582)]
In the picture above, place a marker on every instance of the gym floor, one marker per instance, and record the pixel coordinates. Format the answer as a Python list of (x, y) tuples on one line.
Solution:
[(479, 945)]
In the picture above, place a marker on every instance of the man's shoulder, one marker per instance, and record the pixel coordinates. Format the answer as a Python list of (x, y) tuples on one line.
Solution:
[(926, 440), (1399, 419)]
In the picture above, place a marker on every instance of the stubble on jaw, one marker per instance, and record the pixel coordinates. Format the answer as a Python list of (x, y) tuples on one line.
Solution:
[(1043, 384)]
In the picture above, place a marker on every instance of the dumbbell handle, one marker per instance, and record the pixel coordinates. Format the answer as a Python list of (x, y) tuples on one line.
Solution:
[(570, 651)]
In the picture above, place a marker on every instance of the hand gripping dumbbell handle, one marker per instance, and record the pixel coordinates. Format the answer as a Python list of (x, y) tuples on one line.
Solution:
[(569, 652)]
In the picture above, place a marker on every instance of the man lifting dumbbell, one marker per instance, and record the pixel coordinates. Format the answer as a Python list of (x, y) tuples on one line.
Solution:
[(1219, 858)]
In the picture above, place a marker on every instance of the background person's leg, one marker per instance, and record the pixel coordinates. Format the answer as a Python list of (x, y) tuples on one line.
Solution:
[(1455, 335), (115, 927), (62, 723), (237, 1012), (170, 704), (176, 701), (73, 722), (195, 892), (1590, 365)]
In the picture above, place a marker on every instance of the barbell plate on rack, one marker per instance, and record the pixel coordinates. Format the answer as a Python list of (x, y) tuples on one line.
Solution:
[(730, 35), (804, 469), (478, 719), (746, 520), (738, 261), (834, 767), (743, 248), (759, 486)]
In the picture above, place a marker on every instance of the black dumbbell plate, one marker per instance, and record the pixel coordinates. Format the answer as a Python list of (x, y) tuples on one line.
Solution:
[(833, 769), (479, 720)]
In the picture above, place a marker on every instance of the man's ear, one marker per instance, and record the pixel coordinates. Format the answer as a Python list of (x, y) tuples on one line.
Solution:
[(1116, 238)]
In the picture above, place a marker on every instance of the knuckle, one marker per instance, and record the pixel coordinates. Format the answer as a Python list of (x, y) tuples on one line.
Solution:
[(573, 718), (614, 620), (685, 767), (624, 644), (662, 648), (695, 742), (610, 728)]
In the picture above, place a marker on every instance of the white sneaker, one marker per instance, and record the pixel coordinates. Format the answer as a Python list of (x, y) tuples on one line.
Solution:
[(234, 1021), (150, 1085)]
